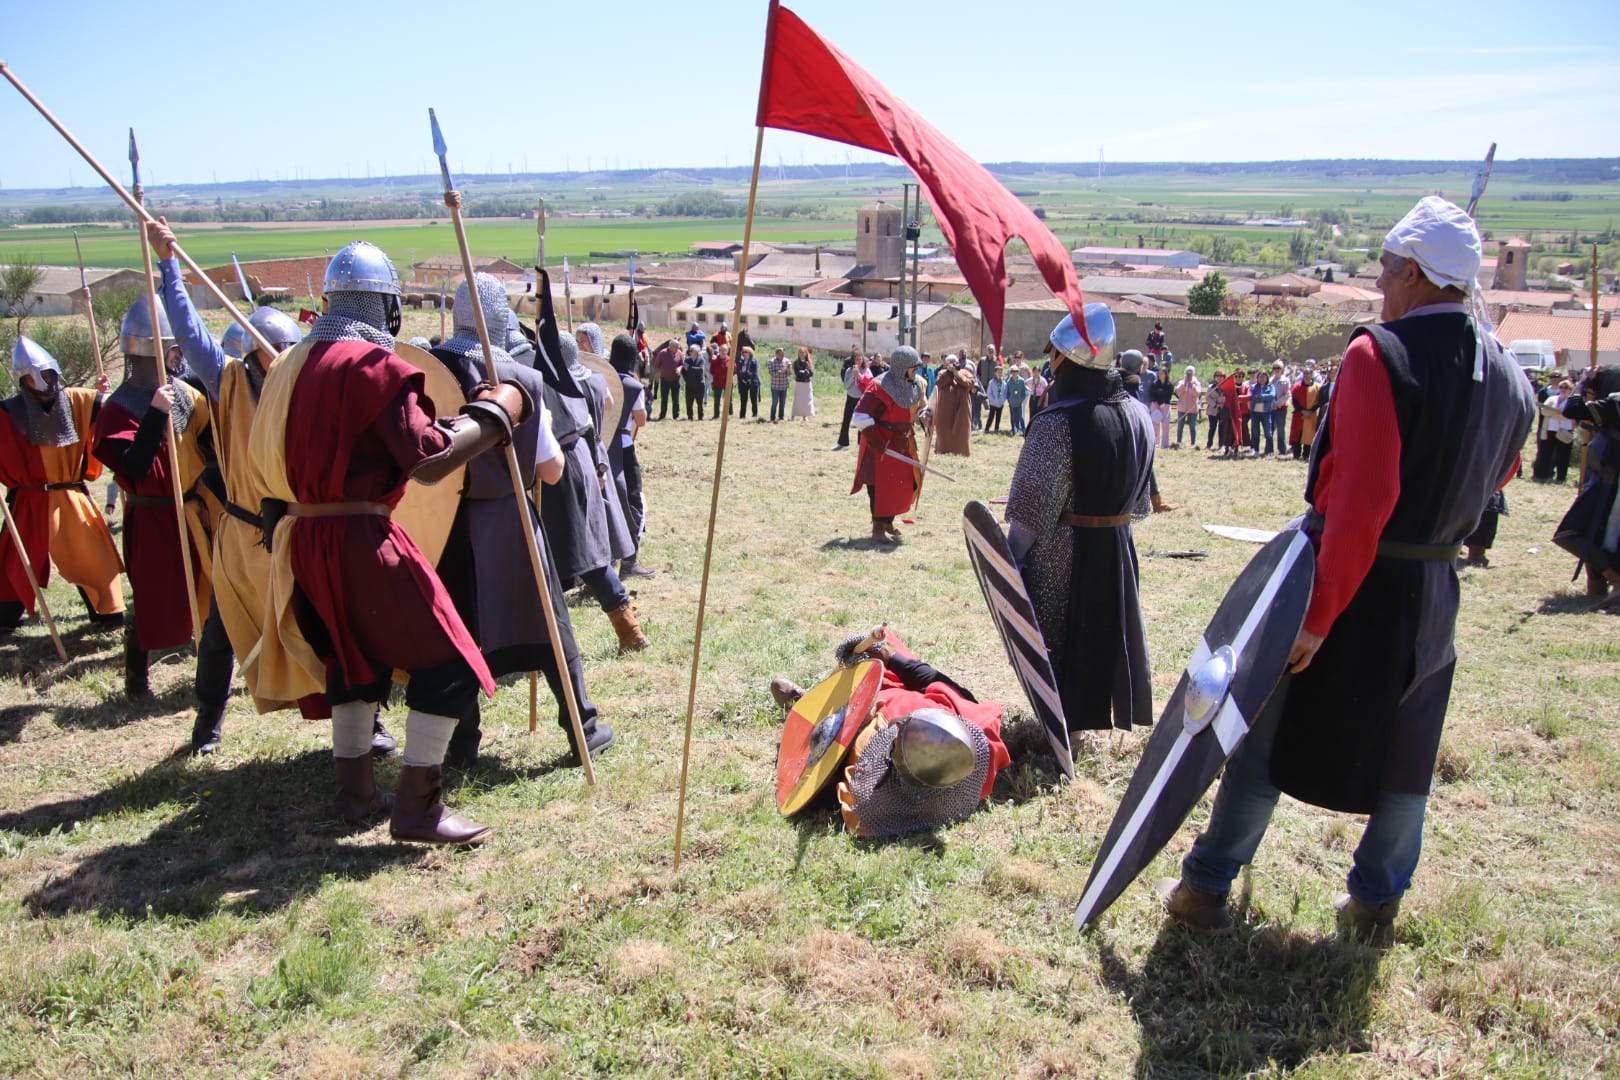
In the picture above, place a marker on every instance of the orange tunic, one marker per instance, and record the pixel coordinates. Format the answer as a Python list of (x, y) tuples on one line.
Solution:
[(64, 522)]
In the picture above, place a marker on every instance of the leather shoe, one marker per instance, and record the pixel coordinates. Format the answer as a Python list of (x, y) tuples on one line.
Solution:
[(1199, 911), (419, 812), (785, 691), (382, 743)]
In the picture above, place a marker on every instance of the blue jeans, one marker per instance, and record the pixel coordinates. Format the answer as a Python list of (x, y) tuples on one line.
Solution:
[(778, 404), (1384, 860), (1017, 418), (1261, 422), (1184, 421)]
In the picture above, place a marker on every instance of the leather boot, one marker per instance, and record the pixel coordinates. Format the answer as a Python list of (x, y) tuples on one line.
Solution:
[(1162, 507), (785, 692), (631, 639), (1366, 924), (419, 812), (136, 661), (1199, 911), (629, 568), (358, 799), (205, 730)]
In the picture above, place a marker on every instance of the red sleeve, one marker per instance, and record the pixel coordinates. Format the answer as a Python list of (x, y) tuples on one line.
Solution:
[(405, 427), (1358, 483)]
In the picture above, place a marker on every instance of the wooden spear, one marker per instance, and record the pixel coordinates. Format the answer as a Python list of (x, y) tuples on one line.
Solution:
[(89, 309), (33, 582), (452, 199), (142, 217), (163, 372)]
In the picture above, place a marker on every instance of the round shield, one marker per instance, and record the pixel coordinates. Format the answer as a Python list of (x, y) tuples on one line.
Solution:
[(614, 413), (819, 731), (428, 510)]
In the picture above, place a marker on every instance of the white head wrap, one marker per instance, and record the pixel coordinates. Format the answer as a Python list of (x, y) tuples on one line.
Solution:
[(1444, 242)]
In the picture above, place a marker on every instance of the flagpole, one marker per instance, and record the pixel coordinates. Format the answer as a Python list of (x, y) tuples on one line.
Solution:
[(714, 502), (143, 218), (28, 568), (452, 199)]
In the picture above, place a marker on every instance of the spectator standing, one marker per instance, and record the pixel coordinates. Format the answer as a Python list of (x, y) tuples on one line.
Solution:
[(1561, 431), (1189, 399), (1261, 395), (804, 396), (781, 373), (1281, 390), (692, 373), (1160, 396), (995, 399), (667, 363), (1155, 341), (1040, 388), (1214, 409), (854, 370), (695, 336), (722, 338), (1017, 395), (719, 368), (747, 382)]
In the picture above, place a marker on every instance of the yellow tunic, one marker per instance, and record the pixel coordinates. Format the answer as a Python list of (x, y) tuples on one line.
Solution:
[(81, 545)]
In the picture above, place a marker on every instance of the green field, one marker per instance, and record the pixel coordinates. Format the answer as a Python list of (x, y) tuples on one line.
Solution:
[(512, 239)]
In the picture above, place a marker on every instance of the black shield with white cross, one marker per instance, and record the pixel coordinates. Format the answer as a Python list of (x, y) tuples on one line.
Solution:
[(1237, 665), (1014, 616)]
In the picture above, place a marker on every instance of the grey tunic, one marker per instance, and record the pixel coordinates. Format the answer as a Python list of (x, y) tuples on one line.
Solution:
[(620, 544)]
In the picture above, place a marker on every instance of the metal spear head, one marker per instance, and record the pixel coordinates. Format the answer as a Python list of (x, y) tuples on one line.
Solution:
[(83, 282), (241, 279), (441, 150), (134, 158), (1481, 178)]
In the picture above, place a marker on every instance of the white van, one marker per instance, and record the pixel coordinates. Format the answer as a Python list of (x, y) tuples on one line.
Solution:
[(1535, 354)]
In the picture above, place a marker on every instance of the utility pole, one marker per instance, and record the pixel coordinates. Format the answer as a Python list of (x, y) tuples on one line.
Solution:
[(914, 234)]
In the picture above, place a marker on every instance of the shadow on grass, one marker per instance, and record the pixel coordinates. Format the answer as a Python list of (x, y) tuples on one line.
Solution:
[(1565, 603), (247, 839), (860, 543), (1224, 1007)]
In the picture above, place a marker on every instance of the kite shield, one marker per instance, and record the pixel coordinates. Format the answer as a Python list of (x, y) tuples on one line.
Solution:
[(1014, 616), (1228, 681), (613, 414), (820, 730), (427, 511)]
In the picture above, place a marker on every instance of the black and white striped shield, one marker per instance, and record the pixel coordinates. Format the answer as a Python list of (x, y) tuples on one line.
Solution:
[(1229, 679), (1014, 617)]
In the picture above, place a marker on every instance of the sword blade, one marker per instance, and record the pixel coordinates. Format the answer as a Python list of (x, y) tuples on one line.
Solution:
[(914, 463)]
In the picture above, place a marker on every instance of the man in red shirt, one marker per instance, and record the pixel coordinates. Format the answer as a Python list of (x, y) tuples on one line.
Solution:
[(1427, 416)]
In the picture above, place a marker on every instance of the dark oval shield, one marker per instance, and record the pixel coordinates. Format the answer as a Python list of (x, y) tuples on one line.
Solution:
[(819, 731), (427, 511)]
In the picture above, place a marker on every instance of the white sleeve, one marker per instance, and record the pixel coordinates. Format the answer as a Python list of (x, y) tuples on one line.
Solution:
[(862, 421), (549, 448)]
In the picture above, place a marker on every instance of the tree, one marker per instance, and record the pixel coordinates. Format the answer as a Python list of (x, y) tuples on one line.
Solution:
[(1281, 326), (1206, 297), (17, 281)]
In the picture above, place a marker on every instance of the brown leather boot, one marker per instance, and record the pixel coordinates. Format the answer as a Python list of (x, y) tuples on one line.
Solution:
[(419, 812), (631, 639), (1162, 507), (1199, 911), (358, 799)]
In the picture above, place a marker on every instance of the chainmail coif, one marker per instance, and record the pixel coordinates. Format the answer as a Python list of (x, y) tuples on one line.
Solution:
[(354, 316)]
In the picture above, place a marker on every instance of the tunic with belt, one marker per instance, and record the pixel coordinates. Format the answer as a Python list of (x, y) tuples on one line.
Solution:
[(135, 448), (1088, 458), (620, 543), (355, 423), (1411, 450), (54, 512), (894, 483)]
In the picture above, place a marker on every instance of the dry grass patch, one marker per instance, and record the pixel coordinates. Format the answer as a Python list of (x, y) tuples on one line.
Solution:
[(975, 956), (1018, 877), (636, 961)]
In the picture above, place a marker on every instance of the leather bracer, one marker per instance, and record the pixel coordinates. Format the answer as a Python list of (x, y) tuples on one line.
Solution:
[(480, 426)]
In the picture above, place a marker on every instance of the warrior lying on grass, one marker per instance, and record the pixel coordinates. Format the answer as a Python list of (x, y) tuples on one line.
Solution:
[(923, 752)]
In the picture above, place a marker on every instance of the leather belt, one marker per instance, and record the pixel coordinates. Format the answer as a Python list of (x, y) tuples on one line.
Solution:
[(65, 485), (338, 509), (243, 514), (1094, 521), (1404, 552)]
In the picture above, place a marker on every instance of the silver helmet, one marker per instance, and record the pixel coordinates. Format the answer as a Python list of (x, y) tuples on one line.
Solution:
[(278, 328), (230, 342), (1070, 345), (29, 357), (135, 332), (492, 298), (933, 748), (361, 267), (1131, 361)]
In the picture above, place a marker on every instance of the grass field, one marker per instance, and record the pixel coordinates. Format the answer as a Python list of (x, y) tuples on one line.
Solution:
[(168, 917)]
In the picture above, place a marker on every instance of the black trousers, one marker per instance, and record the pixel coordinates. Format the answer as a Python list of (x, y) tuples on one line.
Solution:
[(669, 391), (469, 733), (447, 689), (993, 421), (605, 587), (694, 402), (747, 395), (215, 663), (849, 413), (635, 512)]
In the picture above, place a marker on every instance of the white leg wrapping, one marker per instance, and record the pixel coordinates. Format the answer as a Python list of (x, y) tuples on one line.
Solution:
[(351, 728), (427, 735)]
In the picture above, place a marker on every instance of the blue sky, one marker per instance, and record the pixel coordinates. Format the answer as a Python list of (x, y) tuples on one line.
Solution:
[(216, 91)]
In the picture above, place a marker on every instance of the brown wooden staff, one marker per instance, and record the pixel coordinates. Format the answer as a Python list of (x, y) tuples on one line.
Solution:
[(33, 582), (142, 217), (89, 309), (452, 199), (163, 372)]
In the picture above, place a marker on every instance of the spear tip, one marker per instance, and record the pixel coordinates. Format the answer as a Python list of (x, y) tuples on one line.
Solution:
[(439, 146)]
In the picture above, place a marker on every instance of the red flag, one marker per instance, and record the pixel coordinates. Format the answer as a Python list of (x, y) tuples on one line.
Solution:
[(306, 315), (809, 86)]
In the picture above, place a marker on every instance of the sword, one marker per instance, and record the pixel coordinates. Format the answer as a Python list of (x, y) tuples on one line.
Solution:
[(452, 199), (89, 310), (914, 463)]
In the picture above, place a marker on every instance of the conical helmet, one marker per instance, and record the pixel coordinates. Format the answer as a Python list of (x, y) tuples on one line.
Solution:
[(29, 357), (135, 332), (361, 267)]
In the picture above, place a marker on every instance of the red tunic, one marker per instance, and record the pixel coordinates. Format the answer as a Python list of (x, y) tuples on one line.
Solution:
[(358, 422), (22, 471), (157, 574), (894, 482)]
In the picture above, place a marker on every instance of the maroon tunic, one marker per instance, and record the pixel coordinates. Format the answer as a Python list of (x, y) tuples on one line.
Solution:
[(358, 422), (157, 574), (894, 482)]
